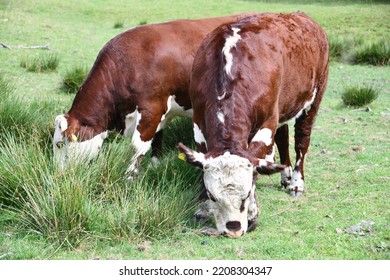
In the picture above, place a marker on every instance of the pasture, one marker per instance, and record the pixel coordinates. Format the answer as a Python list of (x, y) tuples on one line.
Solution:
[(93, 212)]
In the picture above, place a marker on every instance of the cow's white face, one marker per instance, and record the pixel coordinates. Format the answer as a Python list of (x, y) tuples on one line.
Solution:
[(230, 186), (67, 151), (229, 182)]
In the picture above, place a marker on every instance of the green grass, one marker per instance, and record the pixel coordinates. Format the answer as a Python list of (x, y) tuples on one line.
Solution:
[(6, 86), (90, 212)]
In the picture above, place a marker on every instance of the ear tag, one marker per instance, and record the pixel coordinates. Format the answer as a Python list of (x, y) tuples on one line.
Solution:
[(182, 156), (73, 138)]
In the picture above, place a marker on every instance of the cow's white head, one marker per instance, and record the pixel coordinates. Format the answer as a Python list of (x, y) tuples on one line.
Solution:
[(230, 186), (68, 146)]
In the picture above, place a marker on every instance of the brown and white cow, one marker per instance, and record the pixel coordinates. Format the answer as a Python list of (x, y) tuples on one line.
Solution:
[(249, 78), (138, 83)]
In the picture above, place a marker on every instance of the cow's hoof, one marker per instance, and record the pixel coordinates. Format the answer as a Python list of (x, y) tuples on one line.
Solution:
[(132, 176), (295, 192), (286, 177), (154, 162), (284, 184)]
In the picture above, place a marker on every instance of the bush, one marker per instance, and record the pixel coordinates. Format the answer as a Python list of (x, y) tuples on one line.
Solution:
[(74, 78), (359, 96), (41, 63)]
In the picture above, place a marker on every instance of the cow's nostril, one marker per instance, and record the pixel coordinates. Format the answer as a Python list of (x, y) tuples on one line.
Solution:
[(60, 144), (233, 226)]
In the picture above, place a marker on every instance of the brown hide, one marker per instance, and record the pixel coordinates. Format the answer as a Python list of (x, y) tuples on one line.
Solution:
[(279, 60), (140, 68)]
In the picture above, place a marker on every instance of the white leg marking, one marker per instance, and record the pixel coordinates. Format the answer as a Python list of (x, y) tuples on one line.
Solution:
[(154, 161), (230, 43), (297, 182), (286, 175), (198, 135), (130, 123), (263, 135), (140, 146)]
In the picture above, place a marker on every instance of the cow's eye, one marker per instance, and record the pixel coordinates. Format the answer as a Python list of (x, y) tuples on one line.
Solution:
[(242, 207), (211, 196)]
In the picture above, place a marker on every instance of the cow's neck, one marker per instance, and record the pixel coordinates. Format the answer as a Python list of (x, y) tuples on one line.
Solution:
[(229, 136), (94, 108)]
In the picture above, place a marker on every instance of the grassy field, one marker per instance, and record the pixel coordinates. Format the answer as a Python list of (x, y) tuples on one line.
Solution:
[(94, 213)]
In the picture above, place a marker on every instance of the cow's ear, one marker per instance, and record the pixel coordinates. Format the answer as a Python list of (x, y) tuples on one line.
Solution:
[(192, 157), (61, 123), (267, 168)]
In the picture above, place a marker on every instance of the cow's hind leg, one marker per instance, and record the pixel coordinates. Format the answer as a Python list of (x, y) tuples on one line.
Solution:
[(282, 142), (303, 126)]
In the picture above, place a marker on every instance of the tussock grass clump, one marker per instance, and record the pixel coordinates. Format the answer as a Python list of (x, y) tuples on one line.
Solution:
[(118, 24), (89, 201), (43, 200), (376, 53), (143, 22), (341, 48), (74, 78), (357, 96), (41, 63), (337, 47), (356, 50)]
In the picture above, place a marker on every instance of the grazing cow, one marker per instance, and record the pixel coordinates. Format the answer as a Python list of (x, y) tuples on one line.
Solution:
[(249, 78), (139, 82)]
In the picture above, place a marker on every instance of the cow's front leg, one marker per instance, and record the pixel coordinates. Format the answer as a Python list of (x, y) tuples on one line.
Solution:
[(303, 126), (282, 142), (145, 127), (156, 148), (262, 142), (302, 140)]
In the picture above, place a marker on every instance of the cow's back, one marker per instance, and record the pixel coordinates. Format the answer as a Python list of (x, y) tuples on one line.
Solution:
[(276, 59), (144, 65)]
